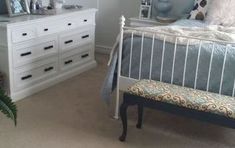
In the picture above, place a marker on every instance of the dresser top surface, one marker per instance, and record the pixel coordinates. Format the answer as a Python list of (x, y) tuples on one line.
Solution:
[(5, 20)]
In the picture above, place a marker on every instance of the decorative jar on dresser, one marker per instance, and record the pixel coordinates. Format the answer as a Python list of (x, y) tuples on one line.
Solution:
[(38, 51)]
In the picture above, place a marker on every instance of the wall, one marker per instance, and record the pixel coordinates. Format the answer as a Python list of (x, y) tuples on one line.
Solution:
[(107, 22), (182, 6)]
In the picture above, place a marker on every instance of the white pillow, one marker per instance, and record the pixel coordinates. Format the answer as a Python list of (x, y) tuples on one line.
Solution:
[(200, 9), (221, 12)]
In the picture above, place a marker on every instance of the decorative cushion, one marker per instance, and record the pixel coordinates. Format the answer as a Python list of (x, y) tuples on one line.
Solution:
[(221, 12), (185, 97), (200, 9)]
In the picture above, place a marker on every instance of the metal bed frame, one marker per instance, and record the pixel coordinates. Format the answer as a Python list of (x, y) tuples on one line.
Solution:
[(124, 82)]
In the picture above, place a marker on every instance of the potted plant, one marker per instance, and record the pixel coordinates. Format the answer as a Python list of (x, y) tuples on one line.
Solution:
[(7, 107)]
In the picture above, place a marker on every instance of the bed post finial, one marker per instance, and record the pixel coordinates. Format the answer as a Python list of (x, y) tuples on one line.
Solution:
[(122, 21)]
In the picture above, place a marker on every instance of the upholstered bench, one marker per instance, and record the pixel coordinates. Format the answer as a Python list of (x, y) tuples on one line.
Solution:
[(175, 99)]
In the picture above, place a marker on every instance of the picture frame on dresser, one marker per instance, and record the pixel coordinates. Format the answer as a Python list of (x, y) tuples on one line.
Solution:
[(17, 7), (145, 9)]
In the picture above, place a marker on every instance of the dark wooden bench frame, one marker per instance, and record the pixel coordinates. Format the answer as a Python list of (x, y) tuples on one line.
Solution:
[(129, 100)]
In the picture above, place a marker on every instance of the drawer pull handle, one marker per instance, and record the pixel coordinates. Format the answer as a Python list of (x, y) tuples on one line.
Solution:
[(85, 55), (46, 29), (24, 34), (69, 41), (25, 54), (48, 69), (68, 62), (85, 20), (85, 36), (26, 77), (48, 47), (69, 24)]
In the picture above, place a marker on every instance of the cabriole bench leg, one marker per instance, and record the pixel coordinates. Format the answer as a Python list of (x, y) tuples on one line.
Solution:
[(140, 116), (123, 114)]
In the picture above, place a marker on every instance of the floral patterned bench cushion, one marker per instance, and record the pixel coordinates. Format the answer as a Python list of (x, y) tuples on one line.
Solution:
[(185, 97)]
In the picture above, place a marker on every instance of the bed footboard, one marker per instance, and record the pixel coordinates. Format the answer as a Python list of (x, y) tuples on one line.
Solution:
[(124, 81)]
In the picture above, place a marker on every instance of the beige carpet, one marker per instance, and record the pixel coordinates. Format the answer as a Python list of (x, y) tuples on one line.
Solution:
[(72, 115)]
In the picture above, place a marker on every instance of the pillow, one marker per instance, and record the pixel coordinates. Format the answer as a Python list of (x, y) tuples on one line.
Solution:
[(200, 9), (221, 12)]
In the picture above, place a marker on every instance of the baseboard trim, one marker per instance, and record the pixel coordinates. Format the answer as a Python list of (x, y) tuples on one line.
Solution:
[(103, 49)]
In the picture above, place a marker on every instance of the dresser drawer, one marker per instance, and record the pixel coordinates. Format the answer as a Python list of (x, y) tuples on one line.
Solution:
[(69, 23), (35, 73), (23, 34), (30, 54), (74, 60), (55, 26), (71, 41), (46, 29), (86, 19)]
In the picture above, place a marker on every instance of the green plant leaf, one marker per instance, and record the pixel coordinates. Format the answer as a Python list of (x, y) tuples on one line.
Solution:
[(7, 107)]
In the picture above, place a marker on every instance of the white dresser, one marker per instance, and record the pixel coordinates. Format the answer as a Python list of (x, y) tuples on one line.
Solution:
[(39, 51)]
